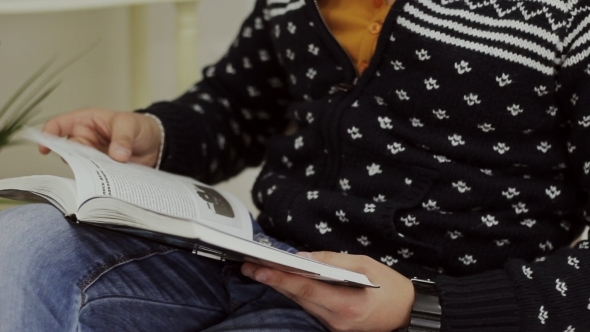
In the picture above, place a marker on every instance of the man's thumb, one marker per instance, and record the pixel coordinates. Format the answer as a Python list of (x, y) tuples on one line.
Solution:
[(123, 128)]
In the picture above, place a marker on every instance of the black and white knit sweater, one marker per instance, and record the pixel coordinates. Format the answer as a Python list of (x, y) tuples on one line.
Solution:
[(462, 153)]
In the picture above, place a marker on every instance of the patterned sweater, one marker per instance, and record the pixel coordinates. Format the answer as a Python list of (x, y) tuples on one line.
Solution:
[(461, 154)]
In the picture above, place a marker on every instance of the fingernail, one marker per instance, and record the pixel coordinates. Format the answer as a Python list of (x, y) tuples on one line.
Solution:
[(122, 152), (304, 254), (247, 272), (261, 277)]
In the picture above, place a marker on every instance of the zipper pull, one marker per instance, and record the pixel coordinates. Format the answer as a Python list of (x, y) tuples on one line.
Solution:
[(346, 86)]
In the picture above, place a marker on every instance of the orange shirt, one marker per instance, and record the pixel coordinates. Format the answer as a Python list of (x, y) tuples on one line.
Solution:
[(356, 25)]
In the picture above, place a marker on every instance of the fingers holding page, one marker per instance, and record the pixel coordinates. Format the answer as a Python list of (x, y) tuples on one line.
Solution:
[(124, 136), (83, 126)]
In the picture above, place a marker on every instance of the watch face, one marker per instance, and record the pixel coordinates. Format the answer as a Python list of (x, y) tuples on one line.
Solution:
[(425, 287)]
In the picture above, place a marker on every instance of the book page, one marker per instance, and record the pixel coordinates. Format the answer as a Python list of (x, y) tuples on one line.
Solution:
[(97, 175), (58, 191)]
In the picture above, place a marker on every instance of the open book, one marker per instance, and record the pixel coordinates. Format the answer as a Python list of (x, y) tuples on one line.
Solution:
[(176, 210)]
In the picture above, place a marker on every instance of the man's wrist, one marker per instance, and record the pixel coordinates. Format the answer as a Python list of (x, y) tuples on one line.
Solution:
[(162, 134)]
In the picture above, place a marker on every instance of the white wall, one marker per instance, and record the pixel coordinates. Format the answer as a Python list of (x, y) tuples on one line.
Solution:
[(101, 78)]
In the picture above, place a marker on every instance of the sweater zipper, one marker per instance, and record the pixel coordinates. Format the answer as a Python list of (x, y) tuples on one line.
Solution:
[(333, 113), (342, 86), (330, 131)]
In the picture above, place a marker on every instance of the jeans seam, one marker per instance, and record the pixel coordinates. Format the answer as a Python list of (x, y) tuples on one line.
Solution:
[(106, 297), (233, 304), (109, 265)]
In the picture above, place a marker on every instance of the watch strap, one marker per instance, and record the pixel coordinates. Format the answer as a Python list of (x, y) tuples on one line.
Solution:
[(426, 311)]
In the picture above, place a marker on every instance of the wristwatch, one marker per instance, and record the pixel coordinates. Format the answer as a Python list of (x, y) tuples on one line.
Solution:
[(426, 311)]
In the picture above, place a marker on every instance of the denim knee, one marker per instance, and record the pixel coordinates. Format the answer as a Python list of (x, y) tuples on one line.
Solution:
[(46, 263), (35, 289), (28, 235)]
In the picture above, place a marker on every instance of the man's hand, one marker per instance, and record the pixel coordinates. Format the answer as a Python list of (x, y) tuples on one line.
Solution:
[(342, 308), (124, 136)]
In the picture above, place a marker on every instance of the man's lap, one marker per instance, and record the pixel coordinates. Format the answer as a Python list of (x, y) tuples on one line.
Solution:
[(65, 277)]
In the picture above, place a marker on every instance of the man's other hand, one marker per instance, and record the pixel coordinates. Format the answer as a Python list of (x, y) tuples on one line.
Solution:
[(342, 308)]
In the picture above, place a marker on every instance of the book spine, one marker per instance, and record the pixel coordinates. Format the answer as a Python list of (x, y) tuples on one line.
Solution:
[(72, 218)]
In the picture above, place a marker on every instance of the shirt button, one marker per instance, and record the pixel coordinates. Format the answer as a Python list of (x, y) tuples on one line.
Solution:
[(377, 3), (374, 28)]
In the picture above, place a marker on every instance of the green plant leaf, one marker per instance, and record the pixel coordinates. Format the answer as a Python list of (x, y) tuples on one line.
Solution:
[(15, 142), (50, 77), (13, 119), (26, 85), (22, 115)]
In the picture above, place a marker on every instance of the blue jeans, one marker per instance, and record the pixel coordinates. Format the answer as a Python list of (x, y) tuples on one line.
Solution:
[(57, 276)]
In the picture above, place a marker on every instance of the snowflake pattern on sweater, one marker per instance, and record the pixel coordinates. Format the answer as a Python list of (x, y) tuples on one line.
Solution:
[(462, 153)]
